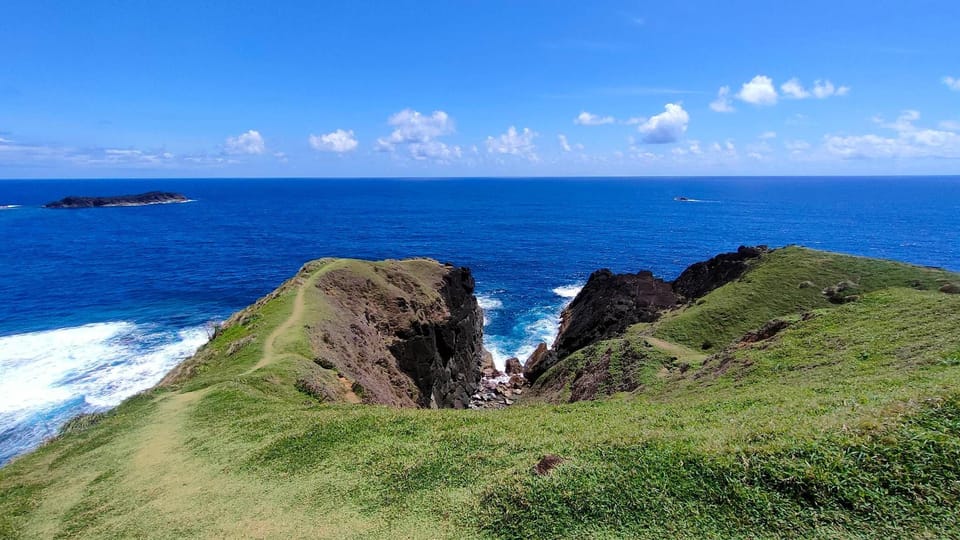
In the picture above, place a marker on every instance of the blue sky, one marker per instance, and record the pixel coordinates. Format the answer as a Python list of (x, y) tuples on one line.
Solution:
[(447, 88)]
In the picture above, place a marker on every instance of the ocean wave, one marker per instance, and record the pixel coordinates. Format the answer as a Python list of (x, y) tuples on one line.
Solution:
[(488, 304), (9, 206), (568, 291), (46, 377), (533, 328)]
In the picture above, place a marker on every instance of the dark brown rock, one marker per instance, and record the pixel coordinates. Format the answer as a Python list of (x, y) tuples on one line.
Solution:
[(547, 464), (487, 367), (702, 277), (443, 356), (767, 331), (950, 288), (513, 366), (539, 362), (607, 305)]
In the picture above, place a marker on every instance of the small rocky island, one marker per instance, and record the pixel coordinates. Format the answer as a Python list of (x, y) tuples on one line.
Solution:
[(143, 199)]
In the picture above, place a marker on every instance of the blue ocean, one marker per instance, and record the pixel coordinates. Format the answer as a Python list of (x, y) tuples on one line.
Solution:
[(98, 304)]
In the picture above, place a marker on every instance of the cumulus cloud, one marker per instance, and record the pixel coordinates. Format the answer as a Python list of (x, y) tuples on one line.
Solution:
[(758, 91), (793, 89), (590, 119), (565, 144), (515, 143), (723, 102), (665, 127), (821, 89), (910, 140), (825, 89), (418, 133), (250, 142), (413, 127), (952, 83), (434, 150), (339, 141)]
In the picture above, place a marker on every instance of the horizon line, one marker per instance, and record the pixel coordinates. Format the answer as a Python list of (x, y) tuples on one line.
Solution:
[(538, 177)]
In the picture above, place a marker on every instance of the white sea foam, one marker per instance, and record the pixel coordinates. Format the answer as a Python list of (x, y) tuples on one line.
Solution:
[(535, 327), (9, 206), (568, 291), (90, 367), (488, 302)]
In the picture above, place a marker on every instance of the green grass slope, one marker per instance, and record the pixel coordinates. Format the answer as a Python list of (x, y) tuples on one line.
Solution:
[(784, 282), (844, 425)]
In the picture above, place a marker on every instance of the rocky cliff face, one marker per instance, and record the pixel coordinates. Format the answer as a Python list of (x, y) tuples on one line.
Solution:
[(610, 303), (443, 356), (405, 333), (702, 277)]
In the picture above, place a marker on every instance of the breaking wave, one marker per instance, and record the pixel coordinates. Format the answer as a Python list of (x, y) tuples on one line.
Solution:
[(50, 376), (568, 291)]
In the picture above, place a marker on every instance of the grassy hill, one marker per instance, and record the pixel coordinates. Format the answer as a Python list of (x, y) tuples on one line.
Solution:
[(844, 424)]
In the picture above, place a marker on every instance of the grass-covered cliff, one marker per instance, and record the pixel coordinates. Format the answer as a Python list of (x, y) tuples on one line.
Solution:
[(842, 421)]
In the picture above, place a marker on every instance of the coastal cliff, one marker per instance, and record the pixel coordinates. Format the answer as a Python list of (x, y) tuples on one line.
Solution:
[(610, 303), (399, 333), (761, 406), (142, 199)]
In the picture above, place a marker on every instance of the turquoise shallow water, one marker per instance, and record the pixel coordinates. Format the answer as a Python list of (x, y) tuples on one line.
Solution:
[(99, 303)]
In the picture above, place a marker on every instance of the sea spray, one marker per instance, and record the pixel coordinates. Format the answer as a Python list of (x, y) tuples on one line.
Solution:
[(50, 376)]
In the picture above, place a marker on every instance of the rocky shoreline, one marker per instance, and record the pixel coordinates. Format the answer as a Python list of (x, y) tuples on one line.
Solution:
[(142, 199)]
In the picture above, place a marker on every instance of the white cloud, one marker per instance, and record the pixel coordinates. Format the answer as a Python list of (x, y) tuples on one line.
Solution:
[(767, 135), (793, 89), (16, 153), (759, 91), (910, 141), (723, 102), (514, 143), (665, 127), (413, 127), (825, 89), (693, 148), (418, 133), (565, 144), (434, 150), (821, 89), (727, 148), (339, 141), (590, 119), (952, 83), (250, 142)]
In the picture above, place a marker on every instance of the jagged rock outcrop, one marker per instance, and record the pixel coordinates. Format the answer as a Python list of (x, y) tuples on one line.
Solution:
[(406, 333), (542, 359), (702, 277), (143, 199), (608, 304), (442, 356)]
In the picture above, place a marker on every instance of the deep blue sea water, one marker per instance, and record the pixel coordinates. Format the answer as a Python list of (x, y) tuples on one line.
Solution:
[(98, 304)]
